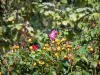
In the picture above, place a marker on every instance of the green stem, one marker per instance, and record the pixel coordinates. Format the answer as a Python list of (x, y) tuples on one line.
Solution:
[(8, 71), (71, 68), (95, 71)]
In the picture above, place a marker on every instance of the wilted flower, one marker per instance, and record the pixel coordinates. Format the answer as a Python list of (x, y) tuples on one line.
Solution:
[(77, 47), (34, 64), (53, 35), (99, 63), (53, 48), (56, 54), (52, 42), (5, 61), (41, 63), (29, 40), (90, 48), (0, 73), (10, 69)]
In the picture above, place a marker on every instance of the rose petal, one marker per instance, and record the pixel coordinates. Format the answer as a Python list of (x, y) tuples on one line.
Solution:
[(35, 47), (53, 35)]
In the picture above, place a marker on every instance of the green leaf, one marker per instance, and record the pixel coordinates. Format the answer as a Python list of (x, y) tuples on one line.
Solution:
[(80, 25), (54, 73), (22, 62), (65, 22), (96, 56), (15, 37), (46, 13), (76, 59), (73, 17), (3, 69), (85, 73), (81, 15), (18, 26), (14, 73), (65, 32), (11, 61), (75, 73), (78, 73), (66, 63), (72, 73), (35, 73), (64, 1), (83, 57), (92, 33), (11, 18), (48, 56), (1, 30), (94, 64), (82, 50), (30, 29)]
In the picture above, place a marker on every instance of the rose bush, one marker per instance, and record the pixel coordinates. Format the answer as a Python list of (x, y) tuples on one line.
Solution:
[(50, 38)]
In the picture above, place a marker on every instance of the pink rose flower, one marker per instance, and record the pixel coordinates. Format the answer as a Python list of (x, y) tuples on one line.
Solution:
[(53, 35)]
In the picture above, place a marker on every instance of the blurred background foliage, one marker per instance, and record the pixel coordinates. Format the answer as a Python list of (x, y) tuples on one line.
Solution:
[(40, 14)]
